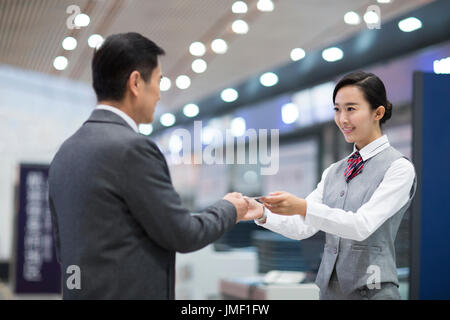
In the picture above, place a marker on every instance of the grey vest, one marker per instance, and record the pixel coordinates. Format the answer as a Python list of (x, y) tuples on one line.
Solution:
[(351, 259)]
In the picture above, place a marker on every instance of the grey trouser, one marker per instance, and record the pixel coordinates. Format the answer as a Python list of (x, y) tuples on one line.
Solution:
[(387, 291)]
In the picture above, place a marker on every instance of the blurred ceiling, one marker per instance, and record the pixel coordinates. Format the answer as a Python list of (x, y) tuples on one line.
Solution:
[(31, 33)]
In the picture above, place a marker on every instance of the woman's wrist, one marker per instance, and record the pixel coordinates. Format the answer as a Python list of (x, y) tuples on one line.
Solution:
[(301, 207)]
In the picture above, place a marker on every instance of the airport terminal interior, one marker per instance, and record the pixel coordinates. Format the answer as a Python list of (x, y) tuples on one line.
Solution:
[(253, 79)]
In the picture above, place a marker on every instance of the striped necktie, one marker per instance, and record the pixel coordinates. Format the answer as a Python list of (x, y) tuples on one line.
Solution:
[(355, 165)]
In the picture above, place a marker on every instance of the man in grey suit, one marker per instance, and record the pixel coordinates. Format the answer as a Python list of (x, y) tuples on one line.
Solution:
[(117, 219)]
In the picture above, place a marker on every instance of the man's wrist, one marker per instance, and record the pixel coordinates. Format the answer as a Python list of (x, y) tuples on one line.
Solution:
[(263, 218)]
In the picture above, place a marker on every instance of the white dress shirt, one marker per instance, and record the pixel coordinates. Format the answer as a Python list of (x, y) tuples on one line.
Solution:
[(392, 194), (121, 114)]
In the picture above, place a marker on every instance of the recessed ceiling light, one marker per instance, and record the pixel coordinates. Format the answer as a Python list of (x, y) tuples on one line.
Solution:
[(265, 5), (268, 79), (442, 66), (410, 24), (165, 84), (352, 18), (199, 65), (371, 17), (197, 49), (240, 27), (332, 54), (183, 82), (167, 119), (219, 46), (95, 41), (239, 7), (82, 20), (297, 54), (190, 110), (146, 129), (60, 63), (289, 113), (69, 43), (229, 95)]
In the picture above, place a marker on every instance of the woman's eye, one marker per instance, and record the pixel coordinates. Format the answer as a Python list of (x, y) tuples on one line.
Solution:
[(336, 109), (350, 108)]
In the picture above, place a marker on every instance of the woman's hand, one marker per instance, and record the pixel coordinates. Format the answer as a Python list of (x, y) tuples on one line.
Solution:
[(284, 203)]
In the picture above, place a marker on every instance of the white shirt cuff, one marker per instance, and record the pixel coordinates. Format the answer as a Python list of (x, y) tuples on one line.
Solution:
[(264, 217), (314, 214)]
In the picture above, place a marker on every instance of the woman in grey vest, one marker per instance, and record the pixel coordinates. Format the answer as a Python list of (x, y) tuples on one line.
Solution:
[(359, 202)]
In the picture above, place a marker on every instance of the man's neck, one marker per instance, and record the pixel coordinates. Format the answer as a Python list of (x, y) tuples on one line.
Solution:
[(122, 106)]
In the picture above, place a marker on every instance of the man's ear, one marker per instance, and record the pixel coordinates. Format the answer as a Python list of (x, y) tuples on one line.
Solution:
[(133, 82), (379, 113)]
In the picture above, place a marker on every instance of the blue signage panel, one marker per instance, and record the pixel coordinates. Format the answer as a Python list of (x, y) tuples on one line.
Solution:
[(430, 255), (36, 269)]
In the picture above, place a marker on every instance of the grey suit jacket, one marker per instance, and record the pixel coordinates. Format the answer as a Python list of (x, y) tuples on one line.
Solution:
[(117, 217)]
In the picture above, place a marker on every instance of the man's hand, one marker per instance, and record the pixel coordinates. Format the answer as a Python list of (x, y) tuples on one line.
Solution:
[(284, 203), (255, 210), (239, 202)]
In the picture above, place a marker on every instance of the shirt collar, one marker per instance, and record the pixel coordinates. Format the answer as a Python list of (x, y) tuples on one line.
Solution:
[(373, 148), (121, 114)]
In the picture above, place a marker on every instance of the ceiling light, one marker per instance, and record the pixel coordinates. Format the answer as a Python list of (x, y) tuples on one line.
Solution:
[(410, 24), (265, 5), (238, 126), (383, 1), (82, 20), (297, 54), (183, 82), (441, 66), (332, 54), (165, 84), (199, 65), (197, 49), (219, 46), (371, 17), (229, 95), (167, 119), (352, 17), (240, 27), (268, 79), (95, 41), (190, 110), (289, 113), (239, 7), (145, 129), (60, 63), (69, 43)]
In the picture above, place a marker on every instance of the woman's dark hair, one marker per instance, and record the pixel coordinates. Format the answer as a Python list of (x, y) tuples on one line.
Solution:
[(372, 88), (117, 57)]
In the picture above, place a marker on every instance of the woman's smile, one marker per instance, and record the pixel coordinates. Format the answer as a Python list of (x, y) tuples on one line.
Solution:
[(347, 130)]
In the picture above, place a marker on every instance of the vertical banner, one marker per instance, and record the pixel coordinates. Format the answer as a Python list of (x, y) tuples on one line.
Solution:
[(35, 268), (430, 220)]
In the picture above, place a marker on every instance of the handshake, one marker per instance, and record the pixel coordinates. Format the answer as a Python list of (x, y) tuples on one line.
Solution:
[(279, 202)]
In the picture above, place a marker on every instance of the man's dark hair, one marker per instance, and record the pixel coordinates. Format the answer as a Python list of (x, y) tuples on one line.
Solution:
[(118, 56)]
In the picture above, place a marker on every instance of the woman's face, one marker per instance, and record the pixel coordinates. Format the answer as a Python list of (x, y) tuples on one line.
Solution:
[(355, 118)]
